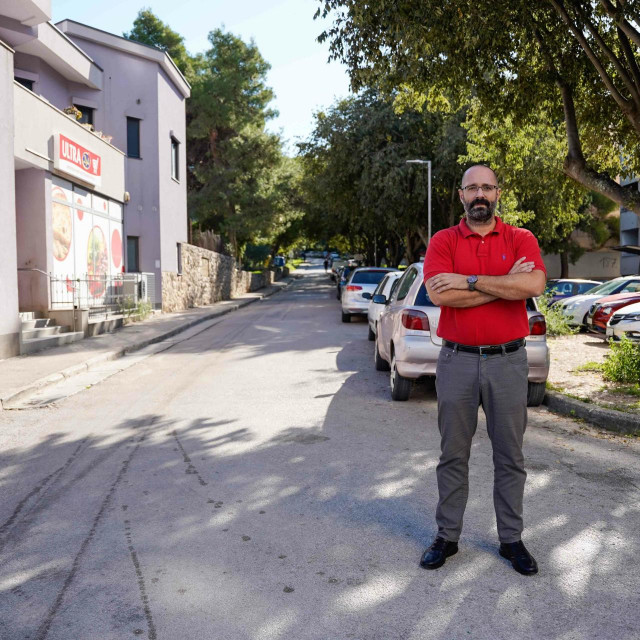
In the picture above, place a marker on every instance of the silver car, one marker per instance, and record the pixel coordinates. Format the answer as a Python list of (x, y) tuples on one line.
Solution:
[(361, 281), (385, 288), (625, 322), (406, 343), (576, 308)]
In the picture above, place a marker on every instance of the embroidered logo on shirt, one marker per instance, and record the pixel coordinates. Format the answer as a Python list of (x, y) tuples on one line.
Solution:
[(504, 256)]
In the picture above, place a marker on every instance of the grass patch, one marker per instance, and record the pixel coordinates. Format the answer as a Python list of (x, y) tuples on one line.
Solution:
[(581, 398), (623, 363), (553, 387), (590, 366), (627, 390)]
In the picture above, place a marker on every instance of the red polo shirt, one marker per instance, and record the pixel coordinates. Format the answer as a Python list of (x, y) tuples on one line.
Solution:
[(460, 250)]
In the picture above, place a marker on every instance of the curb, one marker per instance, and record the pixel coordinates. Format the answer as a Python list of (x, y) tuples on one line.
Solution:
[(76, 369), (599, 416)]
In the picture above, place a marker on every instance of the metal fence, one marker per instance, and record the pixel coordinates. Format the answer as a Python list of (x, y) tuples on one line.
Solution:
[(106, 295)]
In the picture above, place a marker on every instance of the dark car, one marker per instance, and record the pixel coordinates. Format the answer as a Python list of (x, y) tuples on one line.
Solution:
[(565, 288)]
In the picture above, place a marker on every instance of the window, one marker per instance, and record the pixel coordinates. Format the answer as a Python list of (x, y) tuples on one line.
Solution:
[(87, 114), (133, 254), (368, 277), (422, 299), (133, 137), (175, 159), (25, 83), (407, 281)]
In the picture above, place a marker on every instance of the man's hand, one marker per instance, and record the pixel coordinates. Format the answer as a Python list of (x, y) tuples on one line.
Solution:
[(445, 281), (519, 266)]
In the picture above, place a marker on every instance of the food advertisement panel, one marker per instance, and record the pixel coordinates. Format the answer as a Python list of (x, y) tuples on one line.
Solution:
[(98, 257), (100, 205), (81, 197), (115, 210), (115, 247), (83, 223), (62, 229)]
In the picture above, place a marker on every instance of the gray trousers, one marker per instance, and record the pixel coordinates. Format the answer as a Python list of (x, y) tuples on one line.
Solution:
[(498, 383)]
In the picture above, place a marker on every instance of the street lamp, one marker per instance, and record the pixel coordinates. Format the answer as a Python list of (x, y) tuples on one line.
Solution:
[(428, 163)]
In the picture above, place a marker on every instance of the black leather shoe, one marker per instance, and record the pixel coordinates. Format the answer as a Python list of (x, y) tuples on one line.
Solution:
[(437, 553), (523, 562)]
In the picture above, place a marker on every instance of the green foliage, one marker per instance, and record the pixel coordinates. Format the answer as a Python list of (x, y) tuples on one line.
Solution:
[(623, 363), (134, 311), (590, 366), (240, 184), (149, 29), (573, 61), (556, 322), (361, 194)]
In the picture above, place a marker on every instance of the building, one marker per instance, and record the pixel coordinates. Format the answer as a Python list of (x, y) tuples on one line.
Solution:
[(83, 198), (629, 238), (142, 106)]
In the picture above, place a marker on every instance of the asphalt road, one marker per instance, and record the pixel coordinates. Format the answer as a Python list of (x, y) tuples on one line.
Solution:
[(257, 482)]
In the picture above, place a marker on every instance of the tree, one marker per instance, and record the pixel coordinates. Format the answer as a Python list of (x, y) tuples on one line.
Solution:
[(358, 185), (577, 60), (234, 165), (149, 29)]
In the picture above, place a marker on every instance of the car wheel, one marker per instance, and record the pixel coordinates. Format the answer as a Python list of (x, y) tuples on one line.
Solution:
[(380, 362), (535, 393), (346, 317), (400, 386), (371, 335)]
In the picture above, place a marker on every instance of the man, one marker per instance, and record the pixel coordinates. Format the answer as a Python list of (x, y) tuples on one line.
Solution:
[(481, 272)]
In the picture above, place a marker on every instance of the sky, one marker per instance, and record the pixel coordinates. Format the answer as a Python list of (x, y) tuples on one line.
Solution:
[(283, 30)]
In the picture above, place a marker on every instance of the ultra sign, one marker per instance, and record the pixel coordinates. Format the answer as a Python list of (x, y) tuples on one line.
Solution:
[(74, 160)]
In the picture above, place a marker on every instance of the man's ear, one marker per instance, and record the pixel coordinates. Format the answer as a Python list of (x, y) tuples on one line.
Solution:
[(461, 195)]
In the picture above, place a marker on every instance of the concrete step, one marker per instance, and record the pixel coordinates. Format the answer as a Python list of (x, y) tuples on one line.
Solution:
[(37, 323), (31, 315), (38, 344), (43, 332)]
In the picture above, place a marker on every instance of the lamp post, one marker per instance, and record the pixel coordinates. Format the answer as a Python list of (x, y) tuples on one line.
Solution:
[(428, 163)]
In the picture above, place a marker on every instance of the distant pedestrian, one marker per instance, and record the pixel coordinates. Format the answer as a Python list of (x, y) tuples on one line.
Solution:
[(480, 273), (326, 264)]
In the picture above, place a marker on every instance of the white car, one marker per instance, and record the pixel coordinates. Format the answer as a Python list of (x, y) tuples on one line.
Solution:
[(625, 322), (361, 281), (408, 346), (385, 288), (576, 308)]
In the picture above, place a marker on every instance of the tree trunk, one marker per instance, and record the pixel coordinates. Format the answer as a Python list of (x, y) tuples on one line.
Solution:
[(564, 264)]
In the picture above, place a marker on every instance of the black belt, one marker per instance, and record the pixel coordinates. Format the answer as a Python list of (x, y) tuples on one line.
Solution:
[(508, 347)]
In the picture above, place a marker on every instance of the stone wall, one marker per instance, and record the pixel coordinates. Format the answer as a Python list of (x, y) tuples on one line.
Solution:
[(209, 277)]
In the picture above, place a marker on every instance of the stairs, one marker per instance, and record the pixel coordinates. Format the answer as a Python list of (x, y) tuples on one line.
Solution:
[(38, 333)]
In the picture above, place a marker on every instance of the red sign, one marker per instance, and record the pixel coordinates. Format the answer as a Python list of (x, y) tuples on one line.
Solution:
[(73, 159)]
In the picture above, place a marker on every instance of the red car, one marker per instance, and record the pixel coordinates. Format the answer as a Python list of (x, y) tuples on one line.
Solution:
[(603, 309)]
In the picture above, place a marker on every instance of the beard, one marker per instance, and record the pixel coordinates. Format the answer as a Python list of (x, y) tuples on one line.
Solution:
[(480, 209)]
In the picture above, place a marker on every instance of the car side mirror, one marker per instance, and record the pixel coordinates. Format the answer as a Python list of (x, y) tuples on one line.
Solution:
[(380, 299), (366, 295)]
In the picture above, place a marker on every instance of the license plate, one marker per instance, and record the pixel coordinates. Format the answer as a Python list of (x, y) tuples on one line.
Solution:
[(609, 331)]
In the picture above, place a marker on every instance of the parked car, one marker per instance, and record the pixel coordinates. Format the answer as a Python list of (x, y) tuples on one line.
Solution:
[(336, 263), (386, 288), (564, 288), (625, 322), (602, 310), (408, 346), (361, 281), (341, 279), (576, 308)]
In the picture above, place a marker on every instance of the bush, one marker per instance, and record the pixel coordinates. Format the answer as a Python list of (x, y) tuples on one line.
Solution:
[(556, 322), (623, 363)]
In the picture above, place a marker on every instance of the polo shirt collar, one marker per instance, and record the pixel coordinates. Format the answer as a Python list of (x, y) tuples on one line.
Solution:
[(466, 231)]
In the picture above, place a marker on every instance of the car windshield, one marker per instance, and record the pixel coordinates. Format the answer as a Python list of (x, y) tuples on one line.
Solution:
[(608, 287), (368, 277), (587, 287), (422, 299)]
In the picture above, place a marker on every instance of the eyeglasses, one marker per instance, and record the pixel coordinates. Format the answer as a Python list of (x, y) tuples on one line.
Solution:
[(474, 188)]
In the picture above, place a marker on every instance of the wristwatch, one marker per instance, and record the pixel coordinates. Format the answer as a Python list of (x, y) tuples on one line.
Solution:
[(471, 281)]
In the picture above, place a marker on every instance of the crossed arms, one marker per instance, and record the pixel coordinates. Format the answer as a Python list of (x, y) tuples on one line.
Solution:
[(452, 289)]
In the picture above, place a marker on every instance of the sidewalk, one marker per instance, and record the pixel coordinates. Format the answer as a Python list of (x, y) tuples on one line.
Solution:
[(25, 375)]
